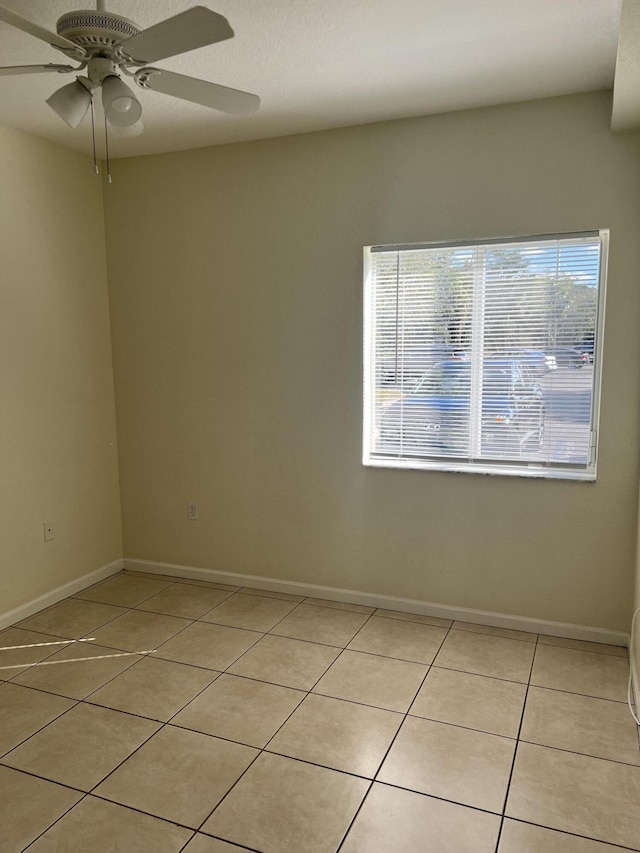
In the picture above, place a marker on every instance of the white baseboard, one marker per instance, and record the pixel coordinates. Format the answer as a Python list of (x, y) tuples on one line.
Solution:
[(635, 687), (58, 594), (386, 602), (634, 664)]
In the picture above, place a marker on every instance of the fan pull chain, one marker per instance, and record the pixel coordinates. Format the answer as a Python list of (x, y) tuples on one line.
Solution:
[(96, 171), (106, 145)]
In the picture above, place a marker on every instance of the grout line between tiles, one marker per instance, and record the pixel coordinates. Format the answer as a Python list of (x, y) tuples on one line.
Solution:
[(76, 702), (226, 841), (335, 605), (139, 656), (22, 627), (515, 751), (133, 752), (56, 781), (575, 752), (209, 585), (131, 808), (46, 779), (459, 725), (177, 616), (87, 698), (532, 684), (295, 606), (134, 809), (437, 797), (310, 763), (355, 816), (478, 674), (574, 834), (190, 623), (186, 844), (457, 628), (226, 794), (28, 666), (575, 693), (120, 574), (59, 818)]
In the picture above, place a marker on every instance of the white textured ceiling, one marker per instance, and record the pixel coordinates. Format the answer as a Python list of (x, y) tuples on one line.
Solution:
[(319, 64)]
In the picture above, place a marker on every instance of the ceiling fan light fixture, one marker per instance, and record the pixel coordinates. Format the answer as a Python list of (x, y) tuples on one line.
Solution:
[(71, 102), (121, 107), (120, 132)]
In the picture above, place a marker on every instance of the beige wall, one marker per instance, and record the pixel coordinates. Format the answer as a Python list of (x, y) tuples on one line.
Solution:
[(235, 284), (58, 458)]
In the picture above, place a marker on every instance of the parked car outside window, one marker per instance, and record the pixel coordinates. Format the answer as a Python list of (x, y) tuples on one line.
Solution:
[(410, 364), (570, 357), (536, 360), (434, 417)]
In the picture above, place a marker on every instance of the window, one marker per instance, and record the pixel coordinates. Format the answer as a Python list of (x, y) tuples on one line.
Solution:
[(485, 356)]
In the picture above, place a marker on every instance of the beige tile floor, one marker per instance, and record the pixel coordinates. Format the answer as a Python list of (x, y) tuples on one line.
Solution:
[(150, 714)]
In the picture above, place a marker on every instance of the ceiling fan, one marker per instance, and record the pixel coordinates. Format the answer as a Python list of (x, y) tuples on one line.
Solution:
[(110, 46)]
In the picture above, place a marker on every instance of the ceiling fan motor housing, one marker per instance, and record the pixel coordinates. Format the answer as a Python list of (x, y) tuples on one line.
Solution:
[(95, 30)]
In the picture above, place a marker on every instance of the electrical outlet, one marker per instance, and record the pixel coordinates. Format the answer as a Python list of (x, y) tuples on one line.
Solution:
[(192, 510), (49, 532)]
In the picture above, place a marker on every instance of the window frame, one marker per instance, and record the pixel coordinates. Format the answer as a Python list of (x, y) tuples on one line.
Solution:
[(561, 471)]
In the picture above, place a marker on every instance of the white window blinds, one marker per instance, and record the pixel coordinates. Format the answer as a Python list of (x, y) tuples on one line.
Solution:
[(485, 356)]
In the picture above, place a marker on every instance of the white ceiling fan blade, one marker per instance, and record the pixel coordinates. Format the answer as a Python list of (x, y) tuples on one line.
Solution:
[(34, 69), (193, 28), (198, 91), (53, 39)]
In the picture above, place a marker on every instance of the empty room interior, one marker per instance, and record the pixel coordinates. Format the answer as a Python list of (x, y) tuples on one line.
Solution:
[(320, 427)]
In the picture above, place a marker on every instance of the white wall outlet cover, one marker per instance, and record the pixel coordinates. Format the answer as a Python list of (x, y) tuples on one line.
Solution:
[(49, 532), (192, 510)]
